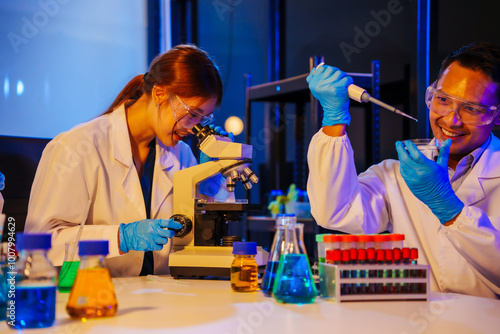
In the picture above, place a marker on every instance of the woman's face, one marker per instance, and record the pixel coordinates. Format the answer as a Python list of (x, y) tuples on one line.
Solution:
[(177, 116)]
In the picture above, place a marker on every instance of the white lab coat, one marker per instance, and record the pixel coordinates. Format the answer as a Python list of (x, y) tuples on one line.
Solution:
[(93, 162), (464, 257)]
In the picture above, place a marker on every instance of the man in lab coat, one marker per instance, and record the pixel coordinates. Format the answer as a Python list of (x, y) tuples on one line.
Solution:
[(448, 208)]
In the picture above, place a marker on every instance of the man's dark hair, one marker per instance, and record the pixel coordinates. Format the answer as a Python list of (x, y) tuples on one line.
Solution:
[(483, 57)]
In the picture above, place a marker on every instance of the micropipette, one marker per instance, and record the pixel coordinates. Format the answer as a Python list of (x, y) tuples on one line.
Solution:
[(361, 95)]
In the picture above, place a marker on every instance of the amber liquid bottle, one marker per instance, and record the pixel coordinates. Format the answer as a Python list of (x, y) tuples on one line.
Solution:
[(244, 273), (93, 293)]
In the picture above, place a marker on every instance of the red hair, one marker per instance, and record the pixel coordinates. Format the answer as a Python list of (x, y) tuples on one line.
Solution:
[(184, 70)]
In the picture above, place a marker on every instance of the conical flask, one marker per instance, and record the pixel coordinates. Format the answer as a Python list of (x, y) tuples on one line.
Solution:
[(294, 282), (276, 249)]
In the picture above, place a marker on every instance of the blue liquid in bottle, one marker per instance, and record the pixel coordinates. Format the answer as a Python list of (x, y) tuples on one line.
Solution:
[(35, 306), (268, 280), (294, 283)]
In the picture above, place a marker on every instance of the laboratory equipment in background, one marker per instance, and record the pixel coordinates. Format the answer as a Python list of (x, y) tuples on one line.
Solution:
[(244, 269), (202, 247), (93, 293), (277, 248), (33, 304), (294, 282)]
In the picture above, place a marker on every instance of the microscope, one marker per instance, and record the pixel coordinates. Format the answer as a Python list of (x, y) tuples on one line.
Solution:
[(203, 247)]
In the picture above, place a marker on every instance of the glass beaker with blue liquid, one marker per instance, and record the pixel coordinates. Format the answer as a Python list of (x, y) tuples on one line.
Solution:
[(294, 282)]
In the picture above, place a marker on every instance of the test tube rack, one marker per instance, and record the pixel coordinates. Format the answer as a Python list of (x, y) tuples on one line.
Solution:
[(405, 282)]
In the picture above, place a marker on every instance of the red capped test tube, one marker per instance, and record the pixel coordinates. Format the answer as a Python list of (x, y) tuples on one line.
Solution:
[(365, 241), (380, 241)]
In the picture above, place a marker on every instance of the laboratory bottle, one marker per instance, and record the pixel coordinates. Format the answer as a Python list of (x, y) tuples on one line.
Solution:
[(32, 302), (276, 250), (244, 273), (93, 293), (294, 282)]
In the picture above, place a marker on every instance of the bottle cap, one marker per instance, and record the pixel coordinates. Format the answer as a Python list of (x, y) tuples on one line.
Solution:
[(353, 253), (389, 254), (244, 248), (93, 247), (33, 241), (397, 254), (414, 253), (380, 255), (362, 254), (405, 252), (345, 255), (396, 237), (365, 238), (370, 253), (333, 255), (349, 238), (380, 237), (332, 238), (319, 237)]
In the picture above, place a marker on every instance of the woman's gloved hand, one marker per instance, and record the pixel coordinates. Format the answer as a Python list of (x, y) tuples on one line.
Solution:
[(329, 85), (147, 234), (428, 180), (211, 186)]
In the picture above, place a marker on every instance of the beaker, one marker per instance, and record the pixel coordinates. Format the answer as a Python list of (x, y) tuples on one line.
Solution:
[(276, 249), (69, 268), (294, 282)]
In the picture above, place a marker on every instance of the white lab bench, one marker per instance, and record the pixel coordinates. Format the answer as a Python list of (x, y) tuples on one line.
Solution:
[(210, 306)]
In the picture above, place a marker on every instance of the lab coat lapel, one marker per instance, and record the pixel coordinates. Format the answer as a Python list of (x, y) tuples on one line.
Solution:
[(483, 175), (162, 185), (122, 152)]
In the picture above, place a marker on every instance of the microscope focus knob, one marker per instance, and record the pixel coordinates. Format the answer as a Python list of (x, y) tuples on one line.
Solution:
[(187, 225)]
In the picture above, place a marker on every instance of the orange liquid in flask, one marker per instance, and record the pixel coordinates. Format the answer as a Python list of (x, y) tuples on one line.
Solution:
[(92, 295)]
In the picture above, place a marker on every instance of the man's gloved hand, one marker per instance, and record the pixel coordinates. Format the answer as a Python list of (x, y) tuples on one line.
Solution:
[(329, 85), (428, 180), (147, 234), (211, 186)]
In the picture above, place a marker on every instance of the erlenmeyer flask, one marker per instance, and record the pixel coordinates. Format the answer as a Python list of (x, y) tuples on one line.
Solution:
[(294, 282), (276, 249)]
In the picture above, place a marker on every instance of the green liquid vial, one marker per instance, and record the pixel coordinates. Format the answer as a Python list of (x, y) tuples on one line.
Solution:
[(67, 275)]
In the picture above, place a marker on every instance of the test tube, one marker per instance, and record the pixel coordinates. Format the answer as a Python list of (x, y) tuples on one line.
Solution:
[(362, 273), (397, 272), (333, 256), (414, 273), (389, 255), (370, 259), (345, 287), (321, 247), (379, 288), (405, 256)]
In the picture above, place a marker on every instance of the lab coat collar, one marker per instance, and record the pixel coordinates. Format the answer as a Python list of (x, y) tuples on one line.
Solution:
[(162, 185), (483, 175), (122, 152)]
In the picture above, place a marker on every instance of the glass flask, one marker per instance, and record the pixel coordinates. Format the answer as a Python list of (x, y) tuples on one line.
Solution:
[(32, 302), (244, 269), (93, 293), (294, 282), (277, 248)]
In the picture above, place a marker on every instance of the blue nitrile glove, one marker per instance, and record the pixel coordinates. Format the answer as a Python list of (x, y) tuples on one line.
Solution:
[(211, 186), (2, 181), (147, 234), (428, 180), (329, 85)]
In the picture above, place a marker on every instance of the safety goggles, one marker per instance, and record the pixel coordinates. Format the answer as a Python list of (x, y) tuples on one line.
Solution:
[(471, 113), (187, 116)]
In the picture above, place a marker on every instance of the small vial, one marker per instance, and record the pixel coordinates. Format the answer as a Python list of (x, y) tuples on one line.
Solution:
[(397, 272), (363, 287), (93, 293), (370, 259), (397, 240), (244, 274), (405, 256), (365, 241), (348, 241), (345, 288), (380, 273), (389, 259), (380, 241)]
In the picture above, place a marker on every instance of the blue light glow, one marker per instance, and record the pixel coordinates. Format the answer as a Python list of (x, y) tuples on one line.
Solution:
[(6, 87), (278, 88), (20, 88)]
